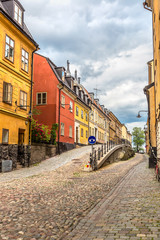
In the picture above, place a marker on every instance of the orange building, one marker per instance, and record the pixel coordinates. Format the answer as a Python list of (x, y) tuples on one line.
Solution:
[(54, 97)]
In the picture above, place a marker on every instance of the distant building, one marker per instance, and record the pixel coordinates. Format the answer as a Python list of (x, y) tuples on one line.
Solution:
[(16, 56)]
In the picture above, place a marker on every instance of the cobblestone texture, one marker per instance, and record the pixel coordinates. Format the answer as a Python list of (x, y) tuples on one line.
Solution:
[(51, 204), (131, 210)]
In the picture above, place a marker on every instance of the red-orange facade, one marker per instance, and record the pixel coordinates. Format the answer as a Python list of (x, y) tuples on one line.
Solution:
[(48, 84)]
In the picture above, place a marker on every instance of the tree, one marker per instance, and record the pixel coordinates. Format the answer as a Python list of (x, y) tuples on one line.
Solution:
[(138, 138)]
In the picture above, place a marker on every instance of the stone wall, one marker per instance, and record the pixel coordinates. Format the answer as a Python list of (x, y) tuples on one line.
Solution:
[(40, 152), (8, 152)]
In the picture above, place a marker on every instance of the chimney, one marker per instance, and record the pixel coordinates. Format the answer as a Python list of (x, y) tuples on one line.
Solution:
[(92, 96), (97, 101), (102, 106), (68, 70), (79, 80), (76, 75)]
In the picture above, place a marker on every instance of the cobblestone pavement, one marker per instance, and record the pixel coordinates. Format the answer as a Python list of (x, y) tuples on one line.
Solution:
[(50, 205), (131, 210), (47, 165)]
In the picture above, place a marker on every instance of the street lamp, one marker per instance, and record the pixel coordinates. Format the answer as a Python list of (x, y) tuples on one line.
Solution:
[(139, 116)]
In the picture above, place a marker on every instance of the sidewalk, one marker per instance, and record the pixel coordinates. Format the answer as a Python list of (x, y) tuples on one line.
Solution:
[(47, 165)]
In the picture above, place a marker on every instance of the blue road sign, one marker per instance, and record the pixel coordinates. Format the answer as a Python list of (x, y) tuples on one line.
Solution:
[(92, 140)]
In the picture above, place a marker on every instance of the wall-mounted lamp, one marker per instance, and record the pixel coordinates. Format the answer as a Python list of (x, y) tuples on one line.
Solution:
[(139, 116), (21, 106)]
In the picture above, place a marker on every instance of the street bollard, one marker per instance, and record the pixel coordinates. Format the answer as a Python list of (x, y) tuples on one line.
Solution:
[(102, 150), (99, 153), (107, 146)]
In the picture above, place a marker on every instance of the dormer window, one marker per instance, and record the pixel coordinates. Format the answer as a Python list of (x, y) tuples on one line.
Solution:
[(18, 14)]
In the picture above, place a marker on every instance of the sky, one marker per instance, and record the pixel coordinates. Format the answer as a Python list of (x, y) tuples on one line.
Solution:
[(109, 42)]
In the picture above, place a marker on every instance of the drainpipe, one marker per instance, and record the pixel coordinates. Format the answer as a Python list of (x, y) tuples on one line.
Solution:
[(30, 109), (59, 111)]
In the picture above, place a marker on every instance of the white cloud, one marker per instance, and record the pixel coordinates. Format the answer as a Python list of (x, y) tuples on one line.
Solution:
[(130, 126), (108, 41)]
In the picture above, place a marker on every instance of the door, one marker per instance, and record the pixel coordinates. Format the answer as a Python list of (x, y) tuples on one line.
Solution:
[(76, 135)]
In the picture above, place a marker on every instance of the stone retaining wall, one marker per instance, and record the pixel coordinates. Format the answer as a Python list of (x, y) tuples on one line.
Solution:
[(40, 152), (14, 153)]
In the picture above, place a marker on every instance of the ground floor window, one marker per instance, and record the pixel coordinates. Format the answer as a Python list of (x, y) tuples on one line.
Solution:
[(5, 136), (86, 134), (70, 131), (62, 129), (81, 132)]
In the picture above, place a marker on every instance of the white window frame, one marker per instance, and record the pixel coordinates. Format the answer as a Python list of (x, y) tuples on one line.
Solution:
[(18, 14), (23, 99), (5, 136), (82, 114), (71, 106), (41, 98), (24, 60), (7, 92), (63, 101), (77, 111), (9, 48), (62, 129), (70, 131)]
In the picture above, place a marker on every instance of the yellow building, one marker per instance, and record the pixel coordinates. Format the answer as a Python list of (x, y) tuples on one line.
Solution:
[(149, 90), (99, 121), (152, 90), (17, 47), (82, 110), (126, 135)]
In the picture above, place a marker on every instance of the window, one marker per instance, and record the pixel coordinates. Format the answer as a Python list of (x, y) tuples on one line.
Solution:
[(41, 98), (62, 129), (9, 49), (81, 132), (86, 116), (86, 134), (71, 106), (82, 114), (23, 100), (7, 93), (77, 111), (70, 131), (5, 136), (63, 101), (25, 57), (18, 14)]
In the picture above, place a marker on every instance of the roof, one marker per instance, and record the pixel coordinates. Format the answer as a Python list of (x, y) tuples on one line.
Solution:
[(5, 10)]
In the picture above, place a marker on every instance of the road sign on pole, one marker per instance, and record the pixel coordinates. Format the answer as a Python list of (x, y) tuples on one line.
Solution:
[(92, 140)]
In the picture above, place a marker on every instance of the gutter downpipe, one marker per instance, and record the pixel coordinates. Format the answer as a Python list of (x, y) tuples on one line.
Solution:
[(30, 109), (59, 111)]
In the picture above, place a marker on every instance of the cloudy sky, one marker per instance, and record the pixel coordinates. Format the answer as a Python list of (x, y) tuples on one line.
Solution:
[(109, 42)]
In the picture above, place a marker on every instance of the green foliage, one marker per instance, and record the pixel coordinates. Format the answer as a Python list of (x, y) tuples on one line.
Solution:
[(36, 111), (138, 138), (40, 132), (53, 133)]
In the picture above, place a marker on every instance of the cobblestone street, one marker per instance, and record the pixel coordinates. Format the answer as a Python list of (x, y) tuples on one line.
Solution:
[(120, 201)]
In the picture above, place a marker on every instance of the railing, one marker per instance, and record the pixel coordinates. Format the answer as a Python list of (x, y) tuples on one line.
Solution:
[(100, 152)]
